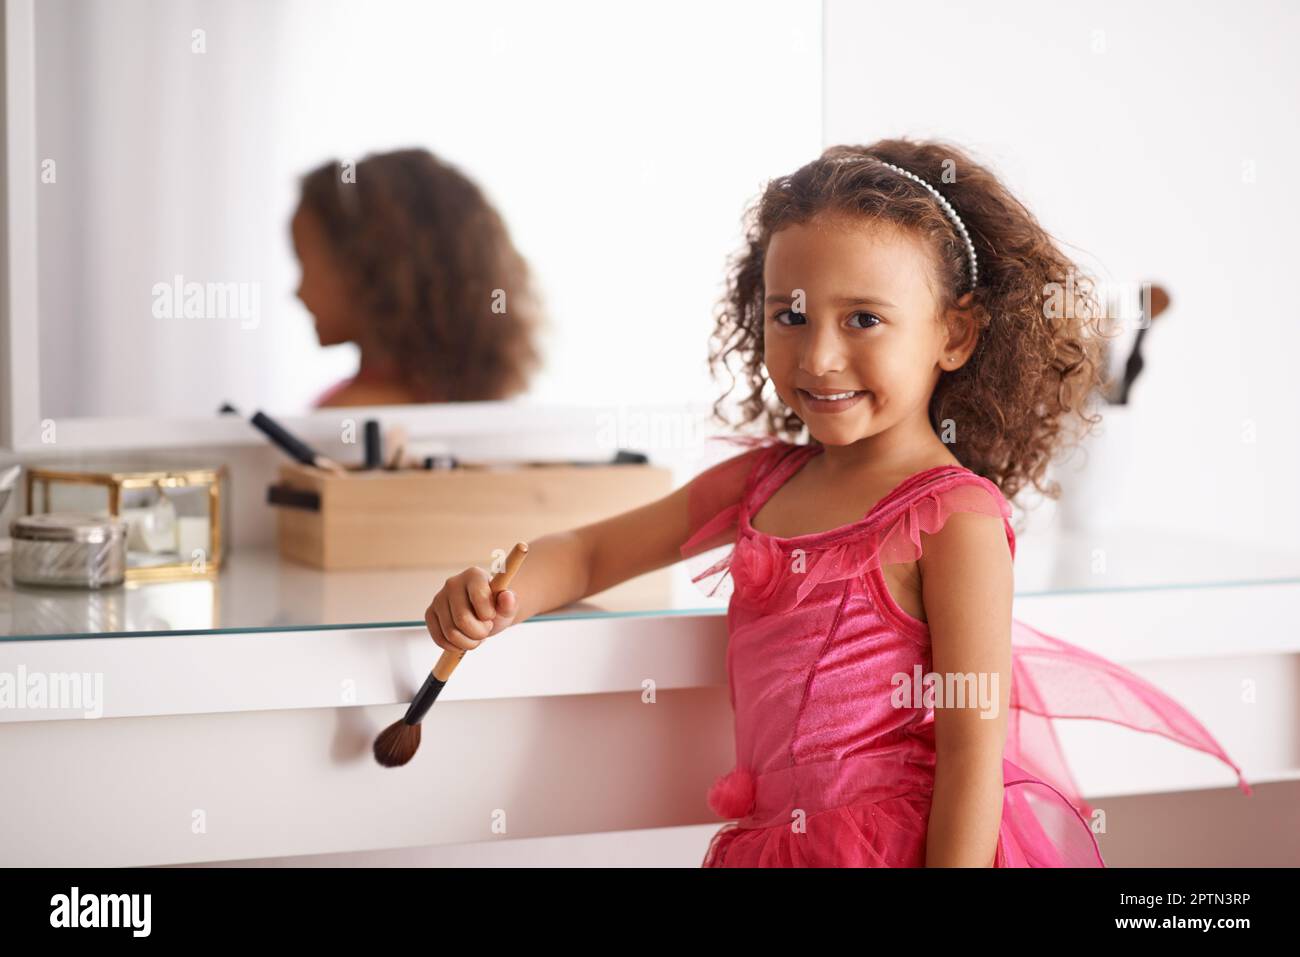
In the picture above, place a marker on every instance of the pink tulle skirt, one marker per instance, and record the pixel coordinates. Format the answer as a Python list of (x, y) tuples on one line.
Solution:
[(1039, 829)]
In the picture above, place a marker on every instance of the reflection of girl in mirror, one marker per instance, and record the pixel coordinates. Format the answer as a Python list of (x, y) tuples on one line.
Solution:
[(407, 259)]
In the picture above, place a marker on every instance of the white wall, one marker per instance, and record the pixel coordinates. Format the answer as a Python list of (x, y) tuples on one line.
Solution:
[(1159, 138)]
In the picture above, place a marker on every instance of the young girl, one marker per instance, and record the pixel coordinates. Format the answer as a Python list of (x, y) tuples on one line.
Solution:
[(889, 711)]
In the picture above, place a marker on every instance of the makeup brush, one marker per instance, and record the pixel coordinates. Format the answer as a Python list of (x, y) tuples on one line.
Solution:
[(1156, 302), (290, 443), (398, 743)]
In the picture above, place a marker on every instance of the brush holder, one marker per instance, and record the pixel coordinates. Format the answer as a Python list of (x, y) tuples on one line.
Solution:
[(381, 518)]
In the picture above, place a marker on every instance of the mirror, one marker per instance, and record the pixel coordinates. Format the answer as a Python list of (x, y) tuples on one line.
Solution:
[(449, 165)]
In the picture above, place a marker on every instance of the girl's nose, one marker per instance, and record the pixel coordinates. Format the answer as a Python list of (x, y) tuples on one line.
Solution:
[(823, 349)]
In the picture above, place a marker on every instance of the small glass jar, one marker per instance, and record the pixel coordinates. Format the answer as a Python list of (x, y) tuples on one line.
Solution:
[(68, 549)]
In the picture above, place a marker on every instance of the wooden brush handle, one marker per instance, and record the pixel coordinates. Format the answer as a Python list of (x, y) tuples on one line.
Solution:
[(437, 680), (500, 582)]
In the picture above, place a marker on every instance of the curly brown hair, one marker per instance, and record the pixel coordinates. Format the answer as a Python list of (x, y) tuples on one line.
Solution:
[(433, 266), (1031, 376)]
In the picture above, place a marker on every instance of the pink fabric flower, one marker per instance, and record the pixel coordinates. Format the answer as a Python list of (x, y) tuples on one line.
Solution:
[(757, 565), (732, 795)]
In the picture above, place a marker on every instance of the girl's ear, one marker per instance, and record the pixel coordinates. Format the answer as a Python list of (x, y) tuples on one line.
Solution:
[(962, 331)]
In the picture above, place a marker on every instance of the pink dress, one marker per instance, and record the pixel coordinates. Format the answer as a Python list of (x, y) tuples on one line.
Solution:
[(829, 773)]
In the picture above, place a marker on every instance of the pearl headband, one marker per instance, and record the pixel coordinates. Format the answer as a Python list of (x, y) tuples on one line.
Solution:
[(943, 204)]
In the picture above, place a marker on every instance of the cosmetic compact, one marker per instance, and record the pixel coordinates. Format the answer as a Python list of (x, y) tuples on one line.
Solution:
[(69, 549)]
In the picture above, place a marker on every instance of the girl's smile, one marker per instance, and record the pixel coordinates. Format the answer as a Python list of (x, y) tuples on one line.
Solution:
[(830, 402)]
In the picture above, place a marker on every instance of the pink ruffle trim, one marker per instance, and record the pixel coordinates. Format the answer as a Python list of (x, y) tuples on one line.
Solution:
[(758, 563)]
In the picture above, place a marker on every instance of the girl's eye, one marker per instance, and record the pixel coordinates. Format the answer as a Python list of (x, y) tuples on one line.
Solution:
[(797, 317)]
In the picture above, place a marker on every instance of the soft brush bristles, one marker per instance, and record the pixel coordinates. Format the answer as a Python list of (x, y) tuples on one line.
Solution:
[(397, 744)]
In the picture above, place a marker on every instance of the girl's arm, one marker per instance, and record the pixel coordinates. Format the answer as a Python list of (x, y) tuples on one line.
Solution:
[(966, 585), (568, 566)]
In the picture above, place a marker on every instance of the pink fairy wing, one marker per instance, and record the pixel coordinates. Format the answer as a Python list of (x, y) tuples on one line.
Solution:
[(1040, 825), (1052, 679)]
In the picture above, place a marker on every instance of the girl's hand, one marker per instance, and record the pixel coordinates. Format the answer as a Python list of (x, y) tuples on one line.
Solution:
[(463, 614)]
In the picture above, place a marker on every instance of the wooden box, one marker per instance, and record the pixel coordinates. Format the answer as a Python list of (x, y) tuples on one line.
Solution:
[(456, 517)]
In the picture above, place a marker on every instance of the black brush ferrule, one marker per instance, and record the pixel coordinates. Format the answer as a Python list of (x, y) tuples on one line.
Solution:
[(424, 699)]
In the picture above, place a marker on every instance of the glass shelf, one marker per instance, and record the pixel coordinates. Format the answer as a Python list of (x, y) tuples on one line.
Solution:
[(258, 591)]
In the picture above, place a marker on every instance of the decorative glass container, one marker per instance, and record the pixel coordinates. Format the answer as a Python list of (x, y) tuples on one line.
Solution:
[(175, 519)]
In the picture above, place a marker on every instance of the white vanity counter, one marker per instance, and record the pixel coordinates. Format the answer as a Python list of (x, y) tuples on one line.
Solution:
[(238, 711)]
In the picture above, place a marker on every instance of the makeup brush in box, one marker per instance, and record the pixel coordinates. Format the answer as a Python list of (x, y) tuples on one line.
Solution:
[(294, 446), (1152, 301), (397, 743)]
